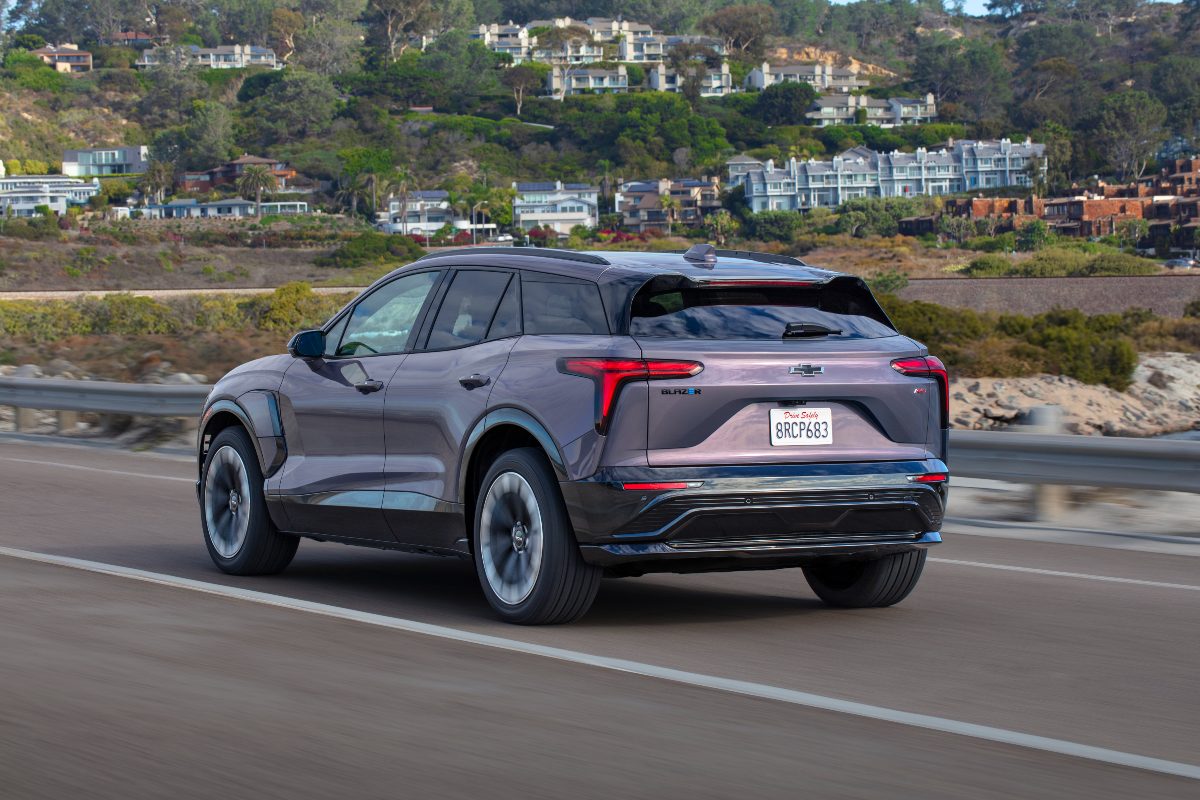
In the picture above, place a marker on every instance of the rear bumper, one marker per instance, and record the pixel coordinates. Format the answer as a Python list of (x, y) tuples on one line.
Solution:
[(754, 517)]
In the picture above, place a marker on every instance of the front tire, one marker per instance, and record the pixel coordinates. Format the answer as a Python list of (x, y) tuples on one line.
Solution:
[(867, 584), (238, 532), (526, 556)]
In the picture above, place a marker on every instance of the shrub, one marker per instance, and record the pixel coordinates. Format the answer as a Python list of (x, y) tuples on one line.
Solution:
[(989, 266), (888, 282), (1053, 262), (1118, 264), (291, 307), (1192, 309), (772, 226), (372, 248)]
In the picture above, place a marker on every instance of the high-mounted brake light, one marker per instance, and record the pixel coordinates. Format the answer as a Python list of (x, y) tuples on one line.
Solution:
[(751, 282), (928, 367), (931, 477), (610, 374)]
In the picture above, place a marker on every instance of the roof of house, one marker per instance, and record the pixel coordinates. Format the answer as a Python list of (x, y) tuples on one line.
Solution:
[(246, 158)]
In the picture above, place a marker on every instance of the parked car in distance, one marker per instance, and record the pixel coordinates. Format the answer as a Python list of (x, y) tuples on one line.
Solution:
[(501, 237), (1180, 263), (556, 417)]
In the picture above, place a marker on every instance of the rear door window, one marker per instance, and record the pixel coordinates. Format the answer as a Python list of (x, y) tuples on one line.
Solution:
[(563, 307), (468, 308), (759, 312), (507, 321)]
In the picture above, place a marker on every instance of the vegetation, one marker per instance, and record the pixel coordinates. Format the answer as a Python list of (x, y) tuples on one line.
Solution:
[(372, 248), (1060, 262)]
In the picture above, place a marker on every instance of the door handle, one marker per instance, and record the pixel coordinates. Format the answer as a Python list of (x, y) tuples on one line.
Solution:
[(474, 381), (368, 386)]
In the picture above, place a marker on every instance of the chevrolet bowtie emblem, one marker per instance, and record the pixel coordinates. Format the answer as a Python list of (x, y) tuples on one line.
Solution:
[(807, 370)]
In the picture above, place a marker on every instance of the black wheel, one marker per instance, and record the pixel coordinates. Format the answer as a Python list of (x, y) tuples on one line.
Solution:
[(525, 552), (238, 532), (867, 584)]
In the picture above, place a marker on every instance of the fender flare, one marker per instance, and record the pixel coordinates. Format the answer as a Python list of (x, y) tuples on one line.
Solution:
[(234, 407), (509, 415)]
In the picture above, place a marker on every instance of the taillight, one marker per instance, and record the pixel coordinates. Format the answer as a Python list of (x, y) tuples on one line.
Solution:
[(654, 487), (930, 477), (928, 367), (751, 283), (610, 374)]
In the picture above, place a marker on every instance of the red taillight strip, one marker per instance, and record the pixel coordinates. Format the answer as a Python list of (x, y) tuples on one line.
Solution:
[(751, 283), (928, 367), (610, 374), (932, 477), (654, 487)]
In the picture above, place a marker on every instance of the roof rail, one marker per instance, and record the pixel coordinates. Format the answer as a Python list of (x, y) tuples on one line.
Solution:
[(765, 258), (533, 252)]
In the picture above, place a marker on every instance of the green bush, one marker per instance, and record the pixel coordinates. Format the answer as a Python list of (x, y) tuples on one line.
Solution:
[(989, 266), (1053, 262), (1004, 243), (1192, 309), (372, 248), (772, 226), (1119, 264)]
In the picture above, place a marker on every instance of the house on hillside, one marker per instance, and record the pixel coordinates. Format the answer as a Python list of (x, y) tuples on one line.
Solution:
[(65, 57), (715, 83), (93, 161), (641, 208), (861, 172), (230, 171), (77, 192), (508, 38), (587, 80), (852, 109), (822, 77), (231, 56), (135, 39), (556, 205)]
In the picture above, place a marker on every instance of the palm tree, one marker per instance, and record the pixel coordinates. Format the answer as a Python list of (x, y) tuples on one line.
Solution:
[(159, 176), (256, 179), (398, 184), (352, 189), (669, 206)]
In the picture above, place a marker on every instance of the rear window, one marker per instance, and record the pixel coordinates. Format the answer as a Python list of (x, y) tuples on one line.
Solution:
[(768, 312), (563, 307)]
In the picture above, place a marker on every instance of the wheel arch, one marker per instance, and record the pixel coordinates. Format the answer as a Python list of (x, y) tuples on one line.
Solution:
[(222, 414), (499, 431)]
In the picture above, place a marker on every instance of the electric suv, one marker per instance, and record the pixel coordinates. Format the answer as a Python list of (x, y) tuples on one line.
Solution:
[(557, 417)]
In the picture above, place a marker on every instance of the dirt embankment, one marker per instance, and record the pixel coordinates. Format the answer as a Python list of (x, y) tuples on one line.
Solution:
[(1165, 295), (1164, 398)]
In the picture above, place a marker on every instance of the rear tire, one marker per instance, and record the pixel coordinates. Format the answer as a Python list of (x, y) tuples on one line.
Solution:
[(238, 532), (526, 556), (867, 584)]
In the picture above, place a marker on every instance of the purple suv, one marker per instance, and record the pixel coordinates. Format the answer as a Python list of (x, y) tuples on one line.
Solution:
[(558, 416)]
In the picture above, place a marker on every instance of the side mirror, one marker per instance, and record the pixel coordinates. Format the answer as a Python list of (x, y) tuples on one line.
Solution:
[(307, 344)]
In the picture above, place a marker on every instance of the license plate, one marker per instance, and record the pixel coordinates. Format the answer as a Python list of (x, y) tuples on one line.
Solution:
[(793, 426)]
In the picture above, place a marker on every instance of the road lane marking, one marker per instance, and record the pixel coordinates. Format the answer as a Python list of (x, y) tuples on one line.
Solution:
[(1059, 574), (98, 469), (729, 685)]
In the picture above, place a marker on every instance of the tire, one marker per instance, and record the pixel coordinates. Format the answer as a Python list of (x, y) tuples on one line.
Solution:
[(867, 584), (238, 532), (526, 556)]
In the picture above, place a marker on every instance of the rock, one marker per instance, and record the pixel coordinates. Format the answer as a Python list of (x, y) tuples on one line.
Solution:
[(178, 378), (1159, 380), (973, 388), (27, 371)]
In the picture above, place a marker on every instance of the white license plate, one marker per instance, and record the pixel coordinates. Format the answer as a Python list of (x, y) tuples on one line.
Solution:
[(793, 426)]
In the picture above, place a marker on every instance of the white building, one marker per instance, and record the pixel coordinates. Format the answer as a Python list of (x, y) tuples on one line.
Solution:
[(424, 213), (861, 172), (106, 161), (649, 49), (857, 109), (24, 193), (822, 77), (560, 206), (715, 83), (231, 56), (586, 80), (514, 40)]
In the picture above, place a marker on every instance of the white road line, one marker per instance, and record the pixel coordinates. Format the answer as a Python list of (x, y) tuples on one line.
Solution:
[(746, 688), (98, 469), (1059, 574)]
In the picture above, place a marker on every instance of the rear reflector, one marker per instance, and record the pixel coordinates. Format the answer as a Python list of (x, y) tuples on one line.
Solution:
[(653, 487), (932, 477)]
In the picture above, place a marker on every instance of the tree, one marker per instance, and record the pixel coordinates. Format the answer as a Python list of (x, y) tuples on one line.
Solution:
[(207, 138), (297, 105), (784, 103), (329, 48), (957, 228), (670, 207), (559, 41), (157, 179), (984, 84), (174, 86), (523, 79), (1132, 231), (1129, 128), (396, 19), (447, 15), (720, 226), (285, 25), (743, 28), (1033, 235), (465, 71), (352, 189), (256, 179)]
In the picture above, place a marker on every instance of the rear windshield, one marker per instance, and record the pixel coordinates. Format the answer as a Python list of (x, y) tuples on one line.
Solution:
[(767, 312)]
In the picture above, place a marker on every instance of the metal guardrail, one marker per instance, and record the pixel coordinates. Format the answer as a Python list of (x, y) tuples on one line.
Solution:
[(1032, 458)]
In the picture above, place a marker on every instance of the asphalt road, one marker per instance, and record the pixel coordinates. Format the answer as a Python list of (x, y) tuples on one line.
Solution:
[(112, 686)]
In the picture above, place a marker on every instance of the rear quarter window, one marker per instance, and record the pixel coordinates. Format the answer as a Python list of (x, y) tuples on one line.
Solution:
[(563, 307), (749, 313)]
